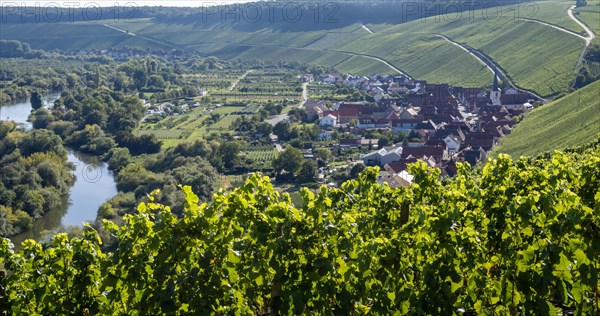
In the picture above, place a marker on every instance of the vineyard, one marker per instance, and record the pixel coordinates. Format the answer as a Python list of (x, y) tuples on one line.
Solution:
[(162, 133), (594, 67), (515, 237), (262, 157)]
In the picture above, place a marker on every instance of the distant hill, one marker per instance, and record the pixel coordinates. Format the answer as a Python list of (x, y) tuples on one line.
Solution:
[(352, 36), (570, 121)]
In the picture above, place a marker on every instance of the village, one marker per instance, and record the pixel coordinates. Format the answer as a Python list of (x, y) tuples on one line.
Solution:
[(397, 121), (444, 124)]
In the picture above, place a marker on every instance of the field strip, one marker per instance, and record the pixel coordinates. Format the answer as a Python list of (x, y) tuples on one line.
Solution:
[(560, 28), (150, 39), (381, 60), (235, 83), (489, 63)]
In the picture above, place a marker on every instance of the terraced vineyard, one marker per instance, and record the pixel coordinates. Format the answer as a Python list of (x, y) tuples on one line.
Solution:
[(570, 121)]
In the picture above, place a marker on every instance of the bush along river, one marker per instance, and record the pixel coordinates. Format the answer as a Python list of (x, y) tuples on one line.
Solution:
[(94, 185)]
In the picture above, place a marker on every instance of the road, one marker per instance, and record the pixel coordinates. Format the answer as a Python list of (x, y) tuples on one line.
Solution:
[(278, 147), (490, 65), (233, 84), (589, 32), (304, 94), (366, 28), (383, 61), (276, 119), (119, 30), (151, 39)]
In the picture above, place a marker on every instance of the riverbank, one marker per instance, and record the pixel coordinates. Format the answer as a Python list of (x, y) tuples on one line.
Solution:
[(94, 185)]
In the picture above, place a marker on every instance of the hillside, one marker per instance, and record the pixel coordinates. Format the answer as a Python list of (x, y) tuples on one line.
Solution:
[(570, 121), (535, 56)]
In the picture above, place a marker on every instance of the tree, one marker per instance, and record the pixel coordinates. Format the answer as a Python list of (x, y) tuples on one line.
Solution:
[(264, 128), (72, 80), (356, 170), (36, 100), (229, 152), (384, 141), (118, 158), (289, 160), (41, 119), (322, 153), (42, 140), (308, 171), (282, 130)]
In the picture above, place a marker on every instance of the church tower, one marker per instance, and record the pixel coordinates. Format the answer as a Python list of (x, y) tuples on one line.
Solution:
[(495, 93)]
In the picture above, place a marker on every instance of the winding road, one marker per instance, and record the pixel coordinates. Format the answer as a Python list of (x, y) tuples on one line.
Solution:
[(589, 32)]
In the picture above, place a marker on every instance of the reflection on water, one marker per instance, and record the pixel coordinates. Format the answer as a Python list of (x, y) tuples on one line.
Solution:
[(93, 186), (44, 226)]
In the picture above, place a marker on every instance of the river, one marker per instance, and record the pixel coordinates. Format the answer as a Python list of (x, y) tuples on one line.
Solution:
[(94, 185)]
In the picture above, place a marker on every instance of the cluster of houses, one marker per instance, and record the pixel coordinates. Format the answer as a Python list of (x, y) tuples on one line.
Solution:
[(446, 124)]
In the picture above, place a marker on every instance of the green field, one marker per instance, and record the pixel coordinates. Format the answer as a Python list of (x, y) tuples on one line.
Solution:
[(554, 12), (212, 118), (570, 121)]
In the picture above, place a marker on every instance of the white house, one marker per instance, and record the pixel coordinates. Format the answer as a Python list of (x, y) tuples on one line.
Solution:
[(383, 156), (328, 121), (452, 144)]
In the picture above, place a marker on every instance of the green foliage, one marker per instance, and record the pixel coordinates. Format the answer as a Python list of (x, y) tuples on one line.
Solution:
[(11, 49), (289, 160), (34, 175), (307, 172), (36, 100), (516, 237), (91, 139)]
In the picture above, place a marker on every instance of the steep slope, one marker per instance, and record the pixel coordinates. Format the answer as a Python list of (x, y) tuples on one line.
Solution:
[(570, 121)]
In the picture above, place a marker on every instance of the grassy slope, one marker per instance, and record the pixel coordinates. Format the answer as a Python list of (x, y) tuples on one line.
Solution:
[(554, 12), (537, 57), (570, 121), (69, 36)]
